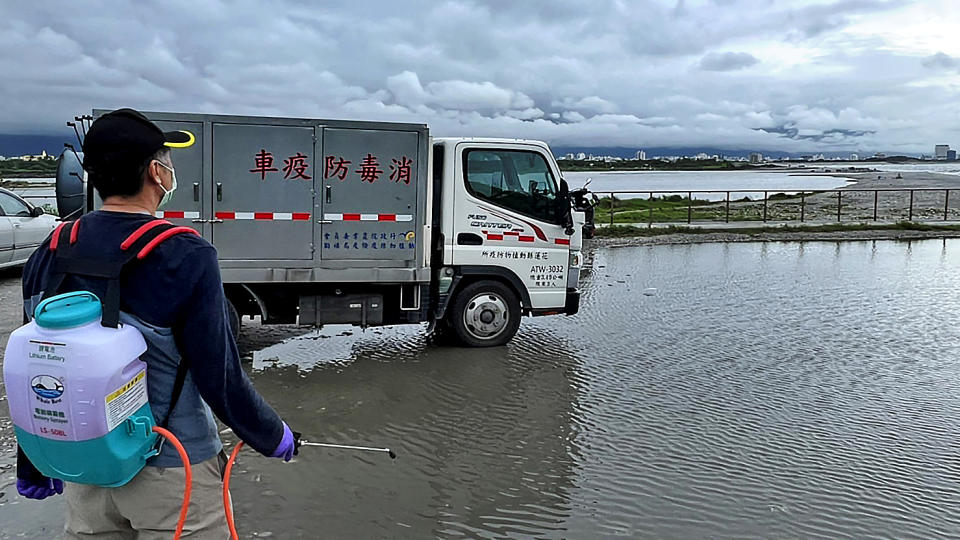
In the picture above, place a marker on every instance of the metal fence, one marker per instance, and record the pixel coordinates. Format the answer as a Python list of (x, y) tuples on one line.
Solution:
[(809, 206)]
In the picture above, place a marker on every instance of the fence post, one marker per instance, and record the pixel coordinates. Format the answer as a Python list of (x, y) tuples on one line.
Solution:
[(611, 209), (839, 199), (910, 212), (727, 219), (650, 213), (946, 203), (689, 205), (764, 206), (876, 195), (803, 205)]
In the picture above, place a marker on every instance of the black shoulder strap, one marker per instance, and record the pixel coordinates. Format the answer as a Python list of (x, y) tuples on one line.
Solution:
[(136, 247)]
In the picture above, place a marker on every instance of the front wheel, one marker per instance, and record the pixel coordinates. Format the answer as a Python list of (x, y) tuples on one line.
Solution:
[(485, 314)]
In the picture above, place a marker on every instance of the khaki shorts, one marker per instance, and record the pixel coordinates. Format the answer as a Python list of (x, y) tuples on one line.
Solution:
[(148, 507)]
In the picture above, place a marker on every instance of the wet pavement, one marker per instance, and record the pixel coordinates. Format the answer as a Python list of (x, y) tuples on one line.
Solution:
[(754, 390)]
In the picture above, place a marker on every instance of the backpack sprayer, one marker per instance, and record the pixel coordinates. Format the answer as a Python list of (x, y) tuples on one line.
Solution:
[(76, 386)]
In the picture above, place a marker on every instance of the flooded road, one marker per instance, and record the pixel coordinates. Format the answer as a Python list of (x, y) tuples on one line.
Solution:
[(762, 390)]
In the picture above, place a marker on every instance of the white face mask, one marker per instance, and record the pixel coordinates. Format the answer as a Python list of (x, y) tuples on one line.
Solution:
[(167, 194)]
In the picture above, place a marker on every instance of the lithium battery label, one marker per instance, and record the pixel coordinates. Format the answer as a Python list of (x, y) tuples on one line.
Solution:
[(124, 401)]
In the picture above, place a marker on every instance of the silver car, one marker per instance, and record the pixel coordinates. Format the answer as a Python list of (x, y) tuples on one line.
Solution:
[(23, 227)]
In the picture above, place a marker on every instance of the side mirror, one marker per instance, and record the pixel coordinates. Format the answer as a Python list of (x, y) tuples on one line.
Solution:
[(36, 211)]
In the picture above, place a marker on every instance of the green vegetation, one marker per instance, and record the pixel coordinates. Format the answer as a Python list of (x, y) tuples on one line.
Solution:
[(626, 231), (18, 168), (654, 165)]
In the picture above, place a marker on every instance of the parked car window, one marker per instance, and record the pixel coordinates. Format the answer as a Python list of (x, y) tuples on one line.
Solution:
[(520, 181), (13, 206)]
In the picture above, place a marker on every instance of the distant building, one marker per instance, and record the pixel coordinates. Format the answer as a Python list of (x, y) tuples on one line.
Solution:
[(581, 156), (756, 157), (879, 155), (641, 155), (940, 151), (951, 155), (38, 157), (854, 157)]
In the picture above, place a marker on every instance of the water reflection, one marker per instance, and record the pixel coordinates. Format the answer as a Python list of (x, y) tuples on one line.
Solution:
[(485, 439), (765, 390)]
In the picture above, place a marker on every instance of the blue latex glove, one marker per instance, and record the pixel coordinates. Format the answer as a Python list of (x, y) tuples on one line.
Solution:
[(39, 490), (289, 444)]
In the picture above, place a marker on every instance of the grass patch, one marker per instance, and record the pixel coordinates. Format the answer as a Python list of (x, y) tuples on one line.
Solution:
[(625, 231)]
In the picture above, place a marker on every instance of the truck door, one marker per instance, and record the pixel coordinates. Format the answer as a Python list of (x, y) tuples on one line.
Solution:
[(262, 192), (507, 216), (369, 194), (186, 206)]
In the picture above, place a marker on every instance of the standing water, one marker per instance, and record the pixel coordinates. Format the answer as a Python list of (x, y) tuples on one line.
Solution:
[(764, 390)]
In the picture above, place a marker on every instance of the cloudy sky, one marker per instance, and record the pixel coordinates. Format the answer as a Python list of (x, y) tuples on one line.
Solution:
[(793, 75)]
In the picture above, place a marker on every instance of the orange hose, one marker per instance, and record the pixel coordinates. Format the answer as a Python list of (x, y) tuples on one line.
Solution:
[(226, 491), (189, 480)]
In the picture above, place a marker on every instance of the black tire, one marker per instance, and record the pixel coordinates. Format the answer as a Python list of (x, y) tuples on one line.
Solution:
[(484, 314), (233, 319)]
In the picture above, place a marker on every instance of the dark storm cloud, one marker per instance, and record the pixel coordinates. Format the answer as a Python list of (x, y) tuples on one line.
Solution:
[(608, 72), (941, 61), (728, 61)]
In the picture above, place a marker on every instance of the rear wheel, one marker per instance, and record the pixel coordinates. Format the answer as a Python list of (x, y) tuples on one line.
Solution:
[(485, 314)]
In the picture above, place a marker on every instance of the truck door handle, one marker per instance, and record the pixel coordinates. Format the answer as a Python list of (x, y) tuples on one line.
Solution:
[(219, 192), (469, 239), (327, 194), (196, 191)]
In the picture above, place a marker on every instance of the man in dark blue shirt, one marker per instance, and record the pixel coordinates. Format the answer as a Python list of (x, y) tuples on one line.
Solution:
[(174, 296)]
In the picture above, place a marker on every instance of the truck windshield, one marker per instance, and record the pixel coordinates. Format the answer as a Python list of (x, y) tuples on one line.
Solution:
[(514, 179)]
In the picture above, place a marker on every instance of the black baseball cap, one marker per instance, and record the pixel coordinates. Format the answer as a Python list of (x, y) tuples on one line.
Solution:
[(119, 142)]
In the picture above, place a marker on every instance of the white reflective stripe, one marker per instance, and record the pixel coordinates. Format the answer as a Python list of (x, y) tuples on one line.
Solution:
[(175, 214), (363, 217), (243, 215), (283, 216)]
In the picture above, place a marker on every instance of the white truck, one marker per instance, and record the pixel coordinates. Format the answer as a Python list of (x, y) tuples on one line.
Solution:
[(344, 222)]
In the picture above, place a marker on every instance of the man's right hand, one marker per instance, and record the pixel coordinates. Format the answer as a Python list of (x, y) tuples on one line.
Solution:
[(39, 489), (289, 444)]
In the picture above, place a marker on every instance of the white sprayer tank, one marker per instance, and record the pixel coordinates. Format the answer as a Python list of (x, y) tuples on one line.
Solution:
[(78, 393)]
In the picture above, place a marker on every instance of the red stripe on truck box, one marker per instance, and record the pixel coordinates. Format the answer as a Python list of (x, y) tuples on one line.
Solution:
[(226, 215), (388, 217), (263, 215), (525, 238), (351, 217), (301, 216)]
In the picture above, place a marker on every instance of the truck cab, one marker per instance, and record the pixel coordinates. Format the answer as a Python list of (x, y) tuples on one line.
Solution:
[(509, 243)]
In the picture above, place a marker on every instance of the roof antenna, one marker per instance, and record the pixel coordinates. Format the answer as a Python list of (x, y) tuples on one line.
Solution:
[(72, 149), (83, 128), (75, 130)]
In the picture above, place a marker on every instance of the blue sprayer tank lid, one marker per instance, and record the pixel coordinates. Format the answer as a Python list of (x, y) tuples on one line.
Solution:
[(68, 310)]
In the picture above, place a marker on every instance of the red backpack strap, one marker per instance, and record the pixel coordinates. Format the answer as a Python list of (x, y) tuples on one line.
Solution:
[(160, 238), (56, 237), (151, 234), (142, 230)]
